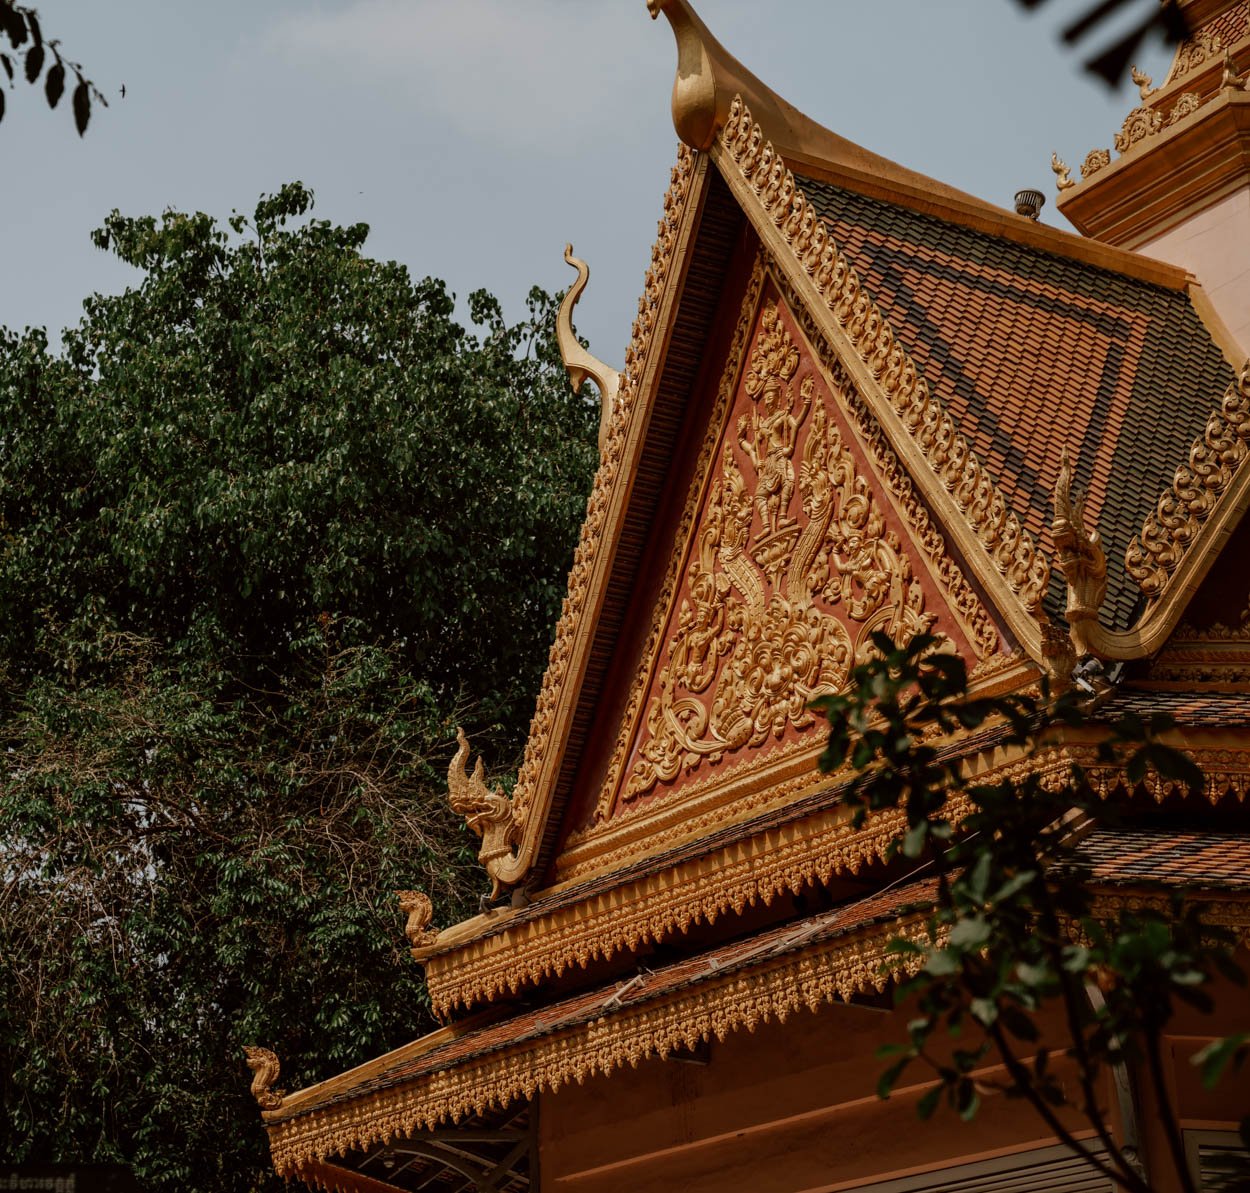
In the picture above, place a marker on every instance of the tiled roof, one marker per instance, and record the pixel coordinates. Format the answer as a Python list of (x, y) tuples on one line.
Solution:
[(1202, 709), (1168, 857), (1032, 352), (647, 985)]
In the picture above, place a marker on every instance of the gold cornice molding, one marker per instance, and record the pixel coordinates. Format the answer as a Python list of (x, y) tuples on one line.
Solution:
[(1167, 177), (720, 1004), (953, 483), (743, 999), (593, 557)]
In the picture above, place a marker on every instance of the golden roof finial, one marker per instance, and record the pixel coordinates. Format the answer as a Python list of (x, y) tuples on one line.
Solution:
[(1143, 81), (1063, 180), (577, 360)]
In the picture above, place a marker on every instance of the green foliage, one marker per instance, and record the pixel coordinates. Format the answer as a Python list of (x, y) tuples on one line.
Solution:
[(273, 524), (33, 57), (1017, 940)]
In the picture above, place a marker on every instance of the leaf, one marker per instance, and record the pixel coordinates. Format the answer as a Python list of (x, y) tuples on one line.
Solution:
[(54, 84), (34, 62), (1219, 1054), (82, 106), (928, 1102), (970, 933), (7, 63)]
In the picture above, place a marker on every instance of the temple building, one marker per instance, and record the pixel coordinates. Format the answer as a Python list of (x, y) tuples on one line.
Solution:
[(855, 400)]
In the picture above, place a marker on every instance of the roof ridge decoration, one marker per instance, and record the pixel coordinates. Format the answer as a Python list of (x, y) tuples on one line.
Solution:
[(1171, 529), (512, 867), (970, 492), (579, 362)]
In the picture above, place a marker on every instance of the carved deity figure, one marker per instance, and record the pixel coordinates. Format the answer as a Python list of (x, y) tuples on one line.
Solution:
[(773, 422)]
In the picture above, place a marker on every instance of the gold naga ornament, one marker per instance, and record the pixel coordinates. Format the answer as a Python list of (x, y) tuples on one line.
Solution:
[(487, 812), (265, 1069), (755, 639)]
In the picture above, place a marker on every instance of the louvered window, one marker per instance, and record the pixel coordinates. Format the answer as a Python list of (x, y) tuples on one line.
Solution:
[(1220, 1160)]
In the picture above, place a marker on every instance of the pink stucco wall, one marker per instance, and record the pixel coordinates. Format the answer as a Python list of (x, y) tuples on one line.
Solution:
[(1214, 245)]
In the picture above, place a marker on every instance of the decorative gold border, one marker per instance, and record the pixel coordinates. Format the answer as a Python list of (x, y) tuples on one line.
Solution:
[(1214, 461), (657, 906), (919, 427), (835, 969), (682, 1019), (331, 1179)]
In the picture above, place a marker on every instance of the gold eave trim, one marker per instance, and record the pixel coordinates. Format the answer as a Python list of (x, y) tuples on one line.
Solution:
[(596, 550), (718, 1005), (987, 534), (715, 1005)]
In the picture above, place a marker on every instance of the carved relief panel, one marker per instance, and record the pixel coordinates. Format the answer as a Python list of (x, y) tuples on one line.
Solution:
[(792, 560)]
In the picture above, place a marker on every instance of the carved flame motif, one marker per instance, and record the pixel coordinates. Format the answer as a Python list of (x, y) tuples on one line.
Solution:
[(779, 549)]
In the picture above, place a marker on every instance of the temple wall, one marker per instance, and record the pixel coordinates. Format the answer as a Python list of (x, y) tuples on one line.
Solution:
[(793, 1107), (1214, 245), (789, 1107)]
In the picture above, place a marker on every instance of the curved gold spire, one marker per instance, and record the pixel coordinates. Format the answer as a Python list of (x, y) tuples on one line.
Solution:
[(709, 76), (579, 362)]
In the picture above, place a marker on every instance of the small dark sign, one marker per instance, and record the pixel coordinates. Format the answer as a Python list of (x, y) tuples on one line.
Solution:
[(67, 1178)]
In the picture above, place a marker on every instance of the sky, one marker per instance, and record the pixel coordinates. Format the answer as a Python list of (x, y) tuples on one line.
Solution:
[(476, 137)]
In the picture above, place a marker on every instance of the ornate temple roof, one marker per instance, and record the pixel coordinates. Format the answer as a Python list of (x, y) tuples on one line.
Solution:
[(1032, 352)]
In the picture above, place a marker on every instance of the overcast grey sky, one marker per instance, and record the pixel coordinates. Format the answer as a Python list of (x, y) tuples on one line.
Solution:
[(477, 136)]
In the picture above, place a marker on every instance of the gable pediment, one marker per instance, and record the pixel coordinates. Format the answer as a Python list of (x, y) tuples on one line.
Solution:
[(797, 536)]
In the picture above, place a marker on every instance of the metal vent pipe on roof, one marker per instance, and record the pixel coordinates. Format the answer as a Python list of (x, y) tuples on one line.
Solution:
[(1029, 203)]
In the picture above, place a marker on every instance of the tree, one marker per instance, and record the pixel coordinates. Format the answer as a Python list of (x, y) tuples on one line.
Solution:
[(1017, 940), (267, 518), (20, 25)]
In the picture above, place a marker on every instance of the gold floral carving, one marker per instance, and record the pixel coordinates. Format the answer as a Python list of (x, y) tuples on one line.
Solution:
[(574, 611), (1095, 160), (1079, 556), (1063, 178), (959, 594), (487, 811), (265, 1069), (1196, 488), (741, 1000), (755, 642), (1185, 104), (420, 911), (1009, 546), (1194, 51), (1139, 124)]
